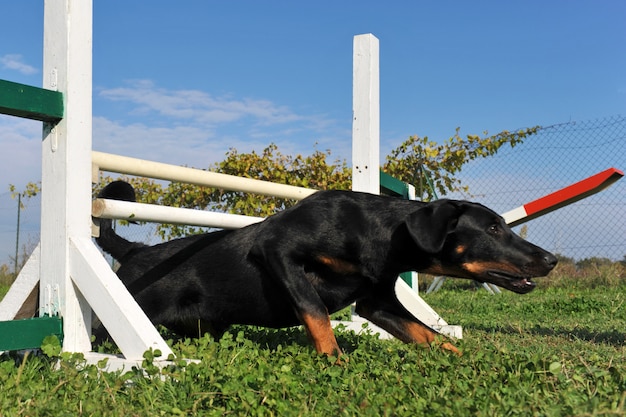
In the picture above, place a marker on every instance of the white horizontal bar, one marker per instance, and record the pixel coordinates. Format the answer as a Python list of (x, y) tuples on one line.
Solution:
[(115, 209), (157, 170)]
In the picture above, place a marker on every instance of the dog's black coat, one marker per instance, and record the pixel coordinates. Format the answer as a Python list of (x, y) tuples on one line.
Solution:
[(330, 250)]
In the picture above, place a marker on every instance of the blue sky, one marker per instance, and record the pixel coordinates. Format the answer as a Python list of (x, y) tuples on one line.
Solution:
[(182, 82)]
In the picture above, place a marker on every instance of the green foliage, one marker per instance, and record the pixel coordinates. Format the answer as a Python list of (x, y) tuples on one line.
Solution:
[(418, 160), (414, 161), (51, 346), (551, 353), (587, 273), (7, 276), (312, 171), (31, 190)]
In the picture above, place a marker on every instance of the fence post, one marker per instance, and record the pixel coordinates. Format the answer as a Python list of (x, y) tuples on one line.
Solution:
[(17, 234)]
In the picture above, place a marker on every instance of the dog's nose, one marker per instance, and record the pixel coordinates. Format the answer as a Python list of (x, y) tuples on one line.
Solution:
[(550, 260)]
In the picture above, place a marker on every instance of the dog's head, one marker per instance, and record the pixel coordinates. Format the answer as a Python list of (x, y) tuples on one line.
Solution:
[(468, 240)]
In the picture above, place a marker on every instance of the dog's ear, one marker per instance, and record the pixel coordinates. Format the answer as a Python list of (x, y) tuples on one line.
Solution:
[(430, 225)]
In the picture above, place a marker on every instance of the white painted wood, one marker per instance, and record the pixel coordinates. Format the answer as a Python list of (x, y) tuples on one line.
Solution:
[(114, 363), (366, 158), (158, 170), (366, 115), (515, 214), (115, 209), (21, 288), (70, 266), (414, 275), (357, 325), (423, 312), (417, 306), (66, 147), (115, 307), (436, 284)]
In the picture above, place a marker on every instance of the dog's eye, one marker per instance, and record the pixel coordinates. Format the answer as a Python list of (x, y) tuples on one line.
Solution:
[(494, 229)]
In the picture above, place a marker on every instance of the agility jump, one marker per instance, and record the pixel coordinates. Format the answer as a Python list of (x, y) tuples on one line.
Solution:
[(73, 276)]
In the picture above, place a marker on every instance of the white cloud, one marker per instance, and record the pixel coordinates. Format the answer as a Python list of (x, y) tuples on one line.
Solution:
[(184, 127), (20, 159), (192, 146), (181, 145), (15, 62), (195, 128), (198, 106)]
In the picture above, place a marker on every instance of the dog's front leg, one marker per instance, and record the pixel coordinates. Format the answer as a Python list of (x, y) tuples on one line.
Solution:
[(320, 333), (304, 299), (393, 317), (312, 313)]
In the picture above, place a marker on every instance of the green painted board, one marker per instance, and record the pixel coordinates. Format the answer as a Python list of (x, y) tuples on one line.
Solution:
[(393, 186), (407, 277), (29, 333), (30, 102)]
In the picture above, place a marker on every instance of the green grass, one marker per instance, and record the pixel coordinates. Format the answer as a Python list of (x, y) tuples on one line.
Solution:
[(553, 352)]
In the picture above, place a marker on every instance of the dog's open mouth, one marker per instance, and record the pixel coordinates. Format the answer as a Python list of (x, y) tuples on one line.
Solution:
[(511, 282)]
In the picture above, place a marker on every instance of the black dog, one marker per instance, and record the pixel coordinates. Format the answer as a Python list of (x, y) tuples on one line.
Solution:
[(330, 250)]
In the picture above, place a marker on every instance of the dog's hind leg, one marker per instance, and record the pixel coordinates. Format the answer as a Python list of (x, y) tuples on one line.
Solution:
[(394, 318)]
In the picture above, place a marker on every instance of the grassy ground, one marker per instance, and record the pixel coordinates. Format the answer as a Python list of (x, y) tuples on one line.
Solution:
[(558, 351)]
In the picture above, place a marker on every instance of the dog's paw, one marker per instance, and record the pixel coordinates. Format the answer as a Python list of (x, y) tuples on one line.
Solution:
[(449, 346)]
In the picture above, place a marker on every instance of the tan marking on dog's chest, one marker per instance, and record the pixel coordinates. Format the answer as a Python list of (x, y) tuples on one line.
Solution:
[(338, 265)]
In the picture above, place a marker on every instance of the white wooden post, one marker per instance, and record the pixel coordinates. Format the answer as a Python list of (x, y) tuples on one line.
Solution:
[(366, 159), (73, 275), (66, 167), (365, 115)]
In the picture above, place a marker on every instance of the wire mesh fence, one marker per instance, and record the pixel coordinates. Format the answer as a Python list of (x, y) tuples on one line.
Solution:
[(19, 230), (556, 157)]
